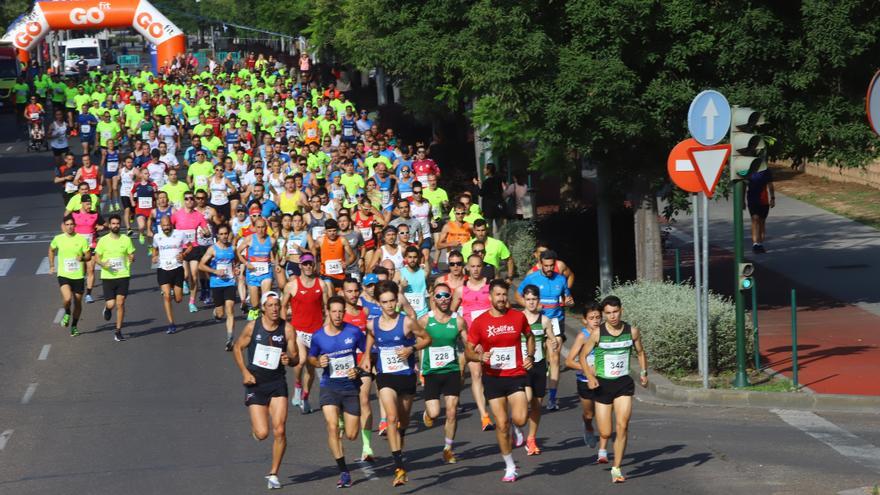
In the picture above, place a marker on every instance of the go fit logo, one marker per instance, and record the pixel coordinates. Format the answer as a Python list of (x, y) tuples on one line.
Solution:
[(92, 15), (146, 22)]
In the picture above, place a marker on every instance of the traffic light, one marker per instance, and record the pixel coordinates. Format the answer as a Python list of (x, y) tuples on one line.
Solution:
[(747, 154), (746, 270)]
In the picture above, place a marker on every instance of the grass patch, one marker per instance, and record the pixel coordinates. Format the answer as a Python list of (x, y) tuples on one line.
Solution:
[(853, 201), (760, 381)]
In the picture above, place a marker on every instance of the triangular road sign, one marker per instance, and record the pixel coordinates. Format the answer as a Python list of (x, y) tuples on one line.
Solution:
[(709, 162)]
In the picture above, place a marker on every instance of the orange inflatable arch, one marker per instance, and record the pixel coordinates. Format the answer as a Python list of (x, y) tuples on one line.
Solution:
[(141, 15)]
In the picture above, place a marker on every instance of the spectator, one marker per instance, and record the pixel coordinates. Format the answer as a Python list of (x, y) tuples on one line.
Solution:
[(492, 193), (514, 194)]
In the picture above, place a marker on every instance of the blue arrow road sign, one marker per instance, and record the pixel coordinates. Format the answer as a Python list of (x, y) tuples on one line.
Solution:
[(709, 117)]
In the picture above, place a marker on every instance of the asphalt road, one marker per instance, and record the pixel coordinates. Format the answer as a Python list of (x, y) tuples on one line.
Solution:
[(164, 414)]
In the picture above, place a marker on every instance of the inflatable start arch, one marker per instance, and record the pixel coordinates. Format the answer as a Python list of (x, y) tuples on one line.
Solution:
[(26, 32)]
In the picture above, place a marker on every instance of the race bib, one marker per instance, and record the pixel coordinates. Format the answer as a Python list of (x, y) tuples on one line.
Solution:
[(339, 366), (439, 357), (616, 365), (93, 184), (317, 232), (218, 197), (386, 197), (188, 236), (260, 268), (406, 194), (168, 263), (333, 267), (85, 128), (423, 179), (105, 135), (116, 264), (475, 314), (554, 323), (417, 301), (503, 358), (69, 187), (391, 362), (347, 131), (367, 233), (304, 338), (201, 180), (145, 134), (145, 203), (539, 351), (225, 269), (71, 265), (112, 166), (267, 357), (312, 133), (35, 116)]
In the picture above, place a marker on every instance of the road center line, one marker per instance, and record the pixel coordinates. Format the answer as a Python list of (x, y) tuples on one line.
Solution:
[(58, 315), (4, 437), (844, 442), (29, 393), (44, 353)]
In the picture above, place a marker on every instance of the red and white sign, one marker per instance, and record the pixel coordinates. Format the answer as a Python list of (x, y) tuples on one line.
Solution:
[(695, 168)]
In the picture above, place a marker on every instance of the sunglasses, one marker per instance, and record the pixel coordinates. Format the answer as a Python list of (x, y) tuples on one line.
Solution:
[(417, 192), (442, 295), (189, 198), (201, 198), (456, 263), (479, 251)]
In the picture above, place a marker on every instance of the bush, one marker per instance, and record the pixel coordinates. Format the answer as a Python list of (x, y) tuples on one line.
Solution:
[(520, 236), (666, 315)]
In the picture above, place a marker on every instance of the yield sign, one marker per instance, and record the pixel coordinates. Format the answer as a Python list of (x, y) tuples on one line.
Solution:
[(709, 161)]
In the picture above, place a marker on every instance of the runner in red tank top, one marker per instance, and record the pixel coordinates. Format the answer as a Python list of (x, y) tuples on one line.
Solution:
[(307, 296)]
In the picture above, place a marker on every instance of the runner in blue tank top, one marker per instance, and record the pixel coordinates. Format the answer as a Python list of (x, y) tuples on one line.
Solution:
[(592, 320), (256, 252), (219, 262), (397, 337)]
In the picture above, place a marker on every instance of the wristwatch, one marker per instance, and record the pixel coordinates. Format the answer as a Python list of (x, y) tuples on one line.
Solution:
[(643, 373)]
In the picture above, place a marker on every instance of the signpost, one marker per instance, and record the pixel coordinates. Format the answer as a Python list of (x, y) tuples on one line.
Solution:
[(695, 165), (872, 103)]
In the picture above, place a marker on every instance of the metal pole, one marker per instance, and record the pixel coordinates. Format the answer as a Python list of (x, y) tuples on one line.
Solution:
[(705, 259), (755, 323), (677, 266), (741, 379), (698, 277), (603, 223), (794, 352)]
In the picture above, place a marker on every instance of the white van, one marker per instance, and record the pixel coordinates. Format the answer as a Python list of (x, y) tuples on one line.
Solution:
[(90, 48)]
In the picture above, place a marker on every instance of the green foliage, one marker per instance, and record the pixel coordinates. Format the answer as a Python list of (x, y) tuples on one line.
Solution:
[(11, 9), (520, 236), (666, 315)]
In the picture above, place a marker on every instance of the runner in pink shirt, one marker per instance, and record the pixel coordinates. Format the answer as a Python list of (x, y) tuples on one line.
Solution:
[(187, 221)]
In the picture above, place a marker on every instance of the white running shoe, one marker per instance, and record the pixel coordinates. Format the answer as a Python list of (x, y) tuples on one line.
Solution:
[(272, 482)]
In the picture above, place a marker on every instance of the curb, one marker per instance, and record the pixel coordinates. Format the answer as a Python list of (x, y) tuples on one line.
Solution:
[(661, 388)]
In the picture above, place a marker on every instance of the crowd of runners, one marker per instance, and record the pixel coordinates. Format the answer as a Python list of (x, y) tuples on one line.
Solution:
[(257, 190)]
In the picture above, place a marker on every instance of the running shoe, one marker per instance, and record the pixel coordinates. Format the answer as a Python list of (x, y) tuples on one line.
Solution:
[(367, 455), (517, 437), (229, 344), (305, 407), (171, 329), (118, 337), (73, 331), (193, 308), (383, 428), (509, 477), (209, 300), (107, 314), (602, 457), (272, 482), (449, 456), (344, 480), (590, 439), (65, 320), (488, 425), (616, 475), (399, 477), (426, 420), (89, 299), (532, 447), (185, 288), (297, 395), (552, 405)]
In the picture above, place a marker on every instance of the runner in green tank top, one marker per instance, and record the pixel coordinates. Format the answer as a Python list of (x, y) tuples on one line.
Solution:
[(611, 384), (440, 366), (536, 385)]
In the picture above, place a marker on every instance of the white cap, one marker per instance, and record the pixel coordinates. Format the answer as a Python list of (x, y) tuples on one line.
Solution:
[(267, 295)]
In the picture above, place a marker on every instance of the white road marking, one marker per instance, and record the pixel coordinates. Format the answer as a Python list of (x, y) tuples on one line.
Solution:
[(9, 148), (44, 353), (58, 315), (368, 471), (865, 490), (29, 393), (44, 266), (844, 442), (6, 265), (4, 437)]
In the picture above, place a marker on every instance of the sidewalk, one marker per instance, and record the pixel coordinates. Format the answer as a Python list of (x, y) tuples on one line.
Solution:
[(834, 265)]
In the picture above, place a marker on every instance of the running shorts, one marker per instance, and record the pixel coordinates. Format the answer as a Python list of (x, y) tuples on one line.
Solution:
[(495, 387), (114, 287), (611, 389), (437, 384), (173, 277), (402, 384), (76, 285), (261, 393), (347, 400)]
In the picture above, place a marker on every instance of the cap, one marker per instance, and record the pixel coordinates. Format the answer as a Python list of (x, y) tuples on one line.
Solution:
[(267, 295), (255, 208), (306, 258), (371, 279), (85, 198), (240, 207)]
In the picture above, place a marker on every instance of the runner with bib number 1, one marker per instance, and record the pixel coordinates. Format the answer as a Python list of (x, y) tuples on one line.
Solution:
[(611, 384)]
